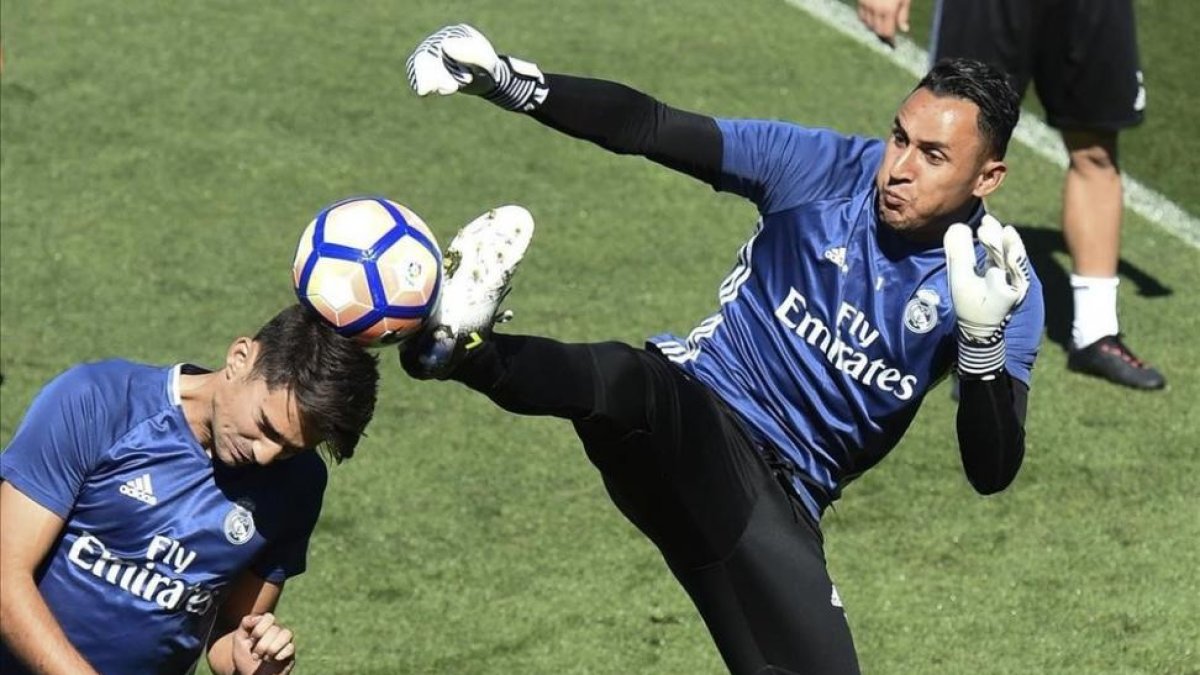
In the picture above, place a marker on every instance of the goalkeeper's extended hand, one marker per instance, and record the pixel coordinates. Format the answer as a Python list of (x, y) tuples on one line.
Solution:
[(459, 58), (984, 299)]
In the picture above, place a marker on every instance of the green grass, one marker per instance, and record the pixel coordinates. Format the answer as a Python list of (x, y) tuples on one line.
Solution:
[(159, 159)]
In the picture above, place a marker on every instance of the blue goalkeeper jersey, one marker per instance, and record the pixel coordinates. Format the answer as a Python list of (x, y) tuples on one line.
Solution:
[(831, 326), (155, 530)]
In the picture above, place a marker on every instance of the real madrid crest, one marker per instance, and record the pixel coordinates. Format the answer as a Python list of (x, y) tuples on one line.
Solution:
[(239, 522), (921, 313)]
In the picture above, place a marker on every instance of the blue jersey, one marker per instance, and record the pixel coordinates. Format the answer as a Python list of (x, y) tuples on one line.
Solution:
[(831, 326), (155, 530)]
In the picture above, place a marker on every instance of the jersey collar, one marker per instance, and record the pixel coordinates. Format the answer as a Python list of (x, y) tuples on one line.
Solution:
[(173, 385)]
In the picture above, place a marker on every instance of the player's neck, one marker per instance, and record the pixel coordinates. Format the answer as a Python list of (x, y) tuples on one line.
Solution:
[(196, 398)]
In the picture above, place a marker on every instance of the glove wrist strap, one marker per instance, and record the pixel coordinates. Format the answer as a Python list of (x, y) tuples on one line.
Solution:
[(980, 359), (520, 85)]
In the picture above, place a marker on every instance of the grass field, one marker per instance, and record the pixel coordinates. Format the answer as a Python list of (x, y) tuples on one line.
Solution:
[(159, 160)]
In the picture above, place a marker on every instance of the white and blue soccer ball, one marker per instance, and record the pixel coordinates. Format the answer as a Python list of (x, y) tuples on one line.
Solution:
[(371, 268)]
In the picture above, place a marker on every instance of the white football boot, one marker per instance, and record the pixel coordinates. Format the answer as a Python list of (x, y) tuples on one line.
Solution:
[(478, 267)]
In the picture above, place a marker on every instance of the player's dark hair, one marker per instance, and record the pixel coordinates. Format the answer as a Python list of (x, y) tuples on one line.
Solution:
[(334, 379), (985, 86)]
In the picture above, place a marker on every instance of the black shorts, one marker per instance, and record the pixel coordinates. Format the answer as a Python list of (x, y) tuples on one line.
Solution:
[(695, 483), (1081, 55)]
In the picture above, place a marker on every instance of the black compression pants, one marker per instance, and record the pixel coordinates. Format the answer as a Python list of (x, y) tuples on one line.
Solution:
[(680, 467)]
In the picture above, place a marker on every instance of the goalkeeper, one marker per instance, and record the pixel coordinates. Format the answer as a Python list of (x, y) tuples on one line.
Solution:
[(874, 271)]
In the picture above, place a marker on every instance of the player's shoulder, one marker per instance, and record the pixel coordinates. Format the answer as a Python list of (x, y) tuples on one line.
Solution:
[(779, 164), (781, 132), (107, 372), (294, 491), (112, 393), (112, 379), (310, 467), (304, 474)]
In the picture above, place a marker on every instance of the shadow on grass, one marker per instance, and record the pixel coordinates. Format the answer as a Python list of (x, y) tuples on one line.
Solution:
[(1043, 242), (17, 93)]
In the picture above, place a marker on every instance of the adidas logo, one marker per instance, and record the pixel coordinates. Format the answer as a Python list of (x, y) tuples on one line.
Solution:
[(837, 256), (140, 489)]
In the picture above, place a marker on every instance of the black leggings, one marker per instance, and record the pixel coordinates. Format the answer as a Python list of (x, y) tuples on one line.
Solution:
[(679, 465)]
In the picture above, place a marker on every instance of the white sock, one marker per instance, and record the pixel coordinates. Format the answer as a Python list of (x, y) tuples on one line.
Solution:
[(1095, 309)]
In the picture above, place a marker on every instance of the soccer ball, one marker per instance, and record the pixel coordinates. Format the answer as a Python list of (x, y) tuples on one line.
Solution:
[(371, 268)]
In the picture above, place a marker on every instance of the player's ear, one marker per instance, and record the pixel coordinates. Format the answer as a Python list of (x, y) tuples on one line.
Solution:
[(990, 176), (240, 357)]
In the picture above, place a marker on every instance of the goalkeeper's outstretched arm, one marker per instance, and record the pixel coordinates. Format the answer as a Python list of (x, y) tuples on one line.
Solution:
[(629, 122), (459, 58)]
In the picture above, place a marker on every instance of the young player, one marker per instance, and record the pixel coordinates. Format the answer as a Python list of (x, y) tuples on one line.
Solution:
[(1082, 57), (149, 513), (857, 294)]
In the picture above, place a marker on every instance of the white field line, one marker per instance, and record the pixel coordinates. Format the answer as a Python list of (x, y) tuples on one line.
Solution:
[(1031, 131)]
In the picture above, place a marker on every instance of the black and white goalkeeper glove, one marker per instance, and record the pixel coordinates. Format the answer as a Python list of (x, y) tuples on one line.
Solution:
[(984, 299), (459, 58)]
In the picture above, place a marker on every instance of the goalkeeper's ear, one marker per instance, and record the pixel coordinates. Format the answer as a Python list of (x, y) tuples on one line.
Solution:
[(991, 175)]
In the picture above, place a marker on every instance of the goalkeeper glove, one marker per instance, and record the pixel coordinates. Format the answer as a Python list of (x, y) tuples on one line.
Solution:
[(459, 58), (984, 299)]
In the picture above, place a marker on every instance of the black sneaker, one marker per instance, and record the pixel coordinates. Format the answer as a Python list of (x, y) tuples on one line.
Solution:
[(1109, 358)]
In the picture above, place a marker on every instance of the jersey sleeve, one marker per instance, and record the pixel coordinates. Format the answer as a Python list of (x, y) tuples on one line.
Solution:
[(58, 442), (779, 165), (283, 560), (288, 556), (1023, 335)]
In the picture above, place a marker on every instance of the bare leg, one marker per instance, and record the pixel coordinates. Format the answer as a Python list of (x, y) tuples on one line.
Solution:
[(1092, 201), (1092, 210)]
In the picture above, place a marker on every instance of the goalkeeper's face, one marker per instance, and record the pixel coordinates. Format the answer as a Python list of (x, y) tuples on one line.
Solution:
[(936, 164)]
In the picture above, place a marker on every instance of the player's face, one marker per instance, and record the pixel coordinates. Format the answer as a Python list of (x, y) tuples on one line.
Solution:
[(251, 423), (936, 163)]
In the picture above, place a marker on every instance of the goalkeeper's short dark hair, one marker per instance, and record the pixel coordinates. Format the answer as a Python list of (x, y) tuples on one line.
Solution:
[(334, 379), (985, 86)]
